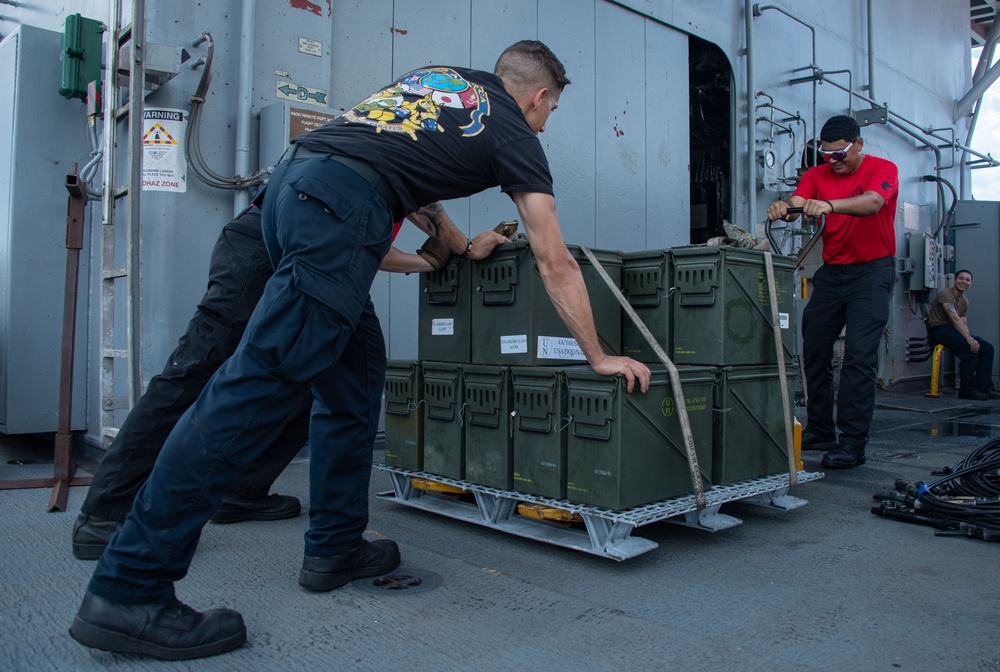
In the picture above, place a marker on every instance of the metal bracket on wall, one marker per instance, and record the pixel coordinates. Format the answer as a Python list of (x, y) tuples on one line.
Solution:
[(875, 115)]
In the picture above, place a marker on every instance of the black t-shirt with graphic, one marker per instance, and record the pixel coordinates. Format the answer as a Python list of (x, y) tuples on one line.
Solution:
[(440, 133)]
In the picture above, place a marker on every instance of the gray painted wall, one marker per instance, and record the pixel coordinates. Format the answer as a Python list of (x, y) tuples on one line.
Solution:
[(628, 63)]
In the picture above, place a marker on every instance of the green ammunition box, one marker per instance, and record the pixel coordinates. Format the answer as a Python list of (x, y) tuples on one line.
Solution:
[(722, 307), (489, 451), (404, 419), (444, 436), (541, 427), (625, 450), (444, 314), (647, 276), (749, 432), (514, 321)]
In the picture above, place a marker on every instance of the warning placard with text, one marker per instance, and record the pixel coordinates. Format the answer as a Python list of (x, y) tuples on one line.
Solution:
[(164, 167)]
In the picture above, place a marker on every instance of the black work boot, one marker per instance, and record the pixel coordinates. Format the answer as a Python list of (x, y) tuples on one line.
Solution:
[(974, 395), (168, 630), (272, 507), (844, 457), (91, 534), (368, 558), (812, 441)]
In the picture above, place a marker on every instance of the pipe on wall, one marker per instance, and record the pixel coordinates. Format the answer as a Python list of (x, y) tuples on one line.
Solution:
[(965, 104), (871, 56), (241, 197), (813, 67), (748, 13), (985, 58)]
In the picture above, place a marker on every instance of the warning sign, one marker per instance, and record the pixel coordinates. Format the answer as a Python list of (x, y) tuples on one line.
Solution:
[(164, 167)]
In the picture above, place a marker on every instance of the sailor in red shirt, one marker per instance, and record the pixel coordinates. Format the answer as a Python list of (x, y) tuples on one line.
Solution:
[(857, 193)]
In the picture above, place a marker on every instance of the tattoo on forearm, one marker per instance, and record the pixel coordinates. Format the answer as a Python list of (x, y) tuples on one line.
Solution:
[(433, 213)]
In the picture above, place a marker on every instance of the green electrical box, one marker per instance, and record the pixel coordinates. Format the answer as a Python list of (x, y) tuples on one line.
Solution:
[(749, 433), (444, 436), (647, 279), (81, 56), (514, 321), (444, 315), (404, 419), (626, 450), (489, 455), (722, 306)]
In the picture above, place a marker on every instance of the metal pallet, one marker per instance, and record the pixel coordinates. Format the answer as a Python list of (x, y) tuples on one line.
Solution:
[(608, 533)]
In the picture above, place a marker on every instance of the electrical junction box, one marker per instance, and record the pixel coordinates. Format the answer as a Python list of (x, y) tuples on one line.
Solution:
[(42, 136), (924, 258), (80, 56), (932, 261)]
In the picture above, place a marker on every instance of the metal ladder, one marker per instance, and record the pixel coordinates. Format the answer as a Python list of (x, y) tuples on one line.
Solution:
[(121, 209)]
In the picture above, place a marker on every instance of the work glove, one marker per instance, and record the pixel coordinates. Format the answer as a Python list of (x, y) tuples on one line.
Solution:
[(435, 253)]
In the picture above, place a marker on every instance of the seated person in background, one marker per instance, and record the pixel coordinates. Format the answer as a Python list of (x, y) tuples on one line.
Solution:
[(948, 325)]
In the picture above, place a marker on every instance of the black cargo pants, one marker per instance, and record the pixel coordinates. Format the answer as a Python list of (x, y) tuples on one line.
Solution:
[(238, 271)]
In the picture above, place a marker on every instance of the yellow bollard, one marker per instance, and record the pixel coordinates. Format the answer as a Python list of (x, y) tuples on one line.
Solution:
[(935, 371), (797, 442)]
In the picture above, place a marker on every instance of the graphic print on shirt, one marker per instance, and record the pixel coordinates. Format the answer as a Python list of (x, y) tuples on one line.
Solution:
[(414, 103)]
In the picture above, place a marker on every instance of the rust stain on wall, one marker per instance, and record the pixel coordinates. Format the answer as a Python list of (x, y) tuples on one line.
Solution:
[(308, 6), (400, 31)]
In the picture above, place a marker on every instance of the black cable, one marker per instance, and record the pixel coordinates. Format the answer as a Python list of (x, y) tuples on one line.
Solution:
[(195, 160), (946, 216), (964, 500)]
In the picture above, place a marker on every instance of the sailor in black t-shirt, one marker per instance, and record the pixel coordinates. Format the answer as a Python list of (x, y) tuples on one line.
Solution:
[(436, 133)]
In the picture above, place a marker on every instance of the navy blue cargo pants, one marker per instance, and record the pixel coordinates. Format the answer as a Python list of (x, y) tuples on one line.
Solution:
[(326, 229), (856, 296), (975, 369)]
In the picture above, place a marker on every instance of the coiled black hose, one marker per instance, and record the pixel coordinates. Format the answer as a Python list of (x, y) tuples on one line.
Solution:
[(965, 500)]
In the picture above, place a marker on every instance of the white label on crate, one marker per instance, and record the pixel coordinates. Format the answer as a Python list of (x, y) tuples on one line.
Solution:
[(556, 347), (783, 320), (510, 345), (444, 326)]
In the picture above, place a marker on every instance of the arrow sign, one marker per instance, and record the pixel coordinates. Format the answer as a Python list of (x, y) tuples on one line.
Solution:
[(300, 93)]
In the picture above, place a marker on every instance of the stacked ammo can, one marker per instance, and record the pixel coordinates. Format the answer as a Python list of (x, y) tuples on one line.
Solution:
[(710, 306), (501, 395)]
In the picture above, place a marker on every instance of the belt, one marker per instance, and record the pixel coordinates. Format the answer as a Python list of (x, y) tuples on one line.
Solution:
[(874, 263), (370, 175)]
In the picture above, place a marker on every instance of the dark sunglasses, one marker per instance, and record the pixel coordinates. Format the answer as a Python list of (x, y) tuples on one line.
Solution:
[(836, 154)]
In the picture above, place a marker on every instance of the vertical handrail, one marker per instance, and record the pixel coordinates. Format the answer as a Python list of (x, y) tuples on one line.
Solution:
[(136, 84)]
